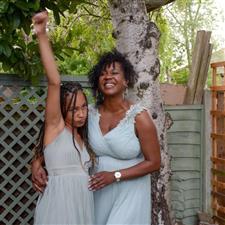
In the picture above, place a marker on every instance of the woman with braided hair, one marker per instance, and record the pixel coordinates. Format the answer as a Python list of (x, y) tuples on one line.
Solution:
[(63, 145)]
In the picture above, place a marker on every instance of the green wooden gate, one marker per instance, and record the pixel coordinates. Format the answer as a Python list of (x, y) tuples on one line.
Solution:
[(185, 143)]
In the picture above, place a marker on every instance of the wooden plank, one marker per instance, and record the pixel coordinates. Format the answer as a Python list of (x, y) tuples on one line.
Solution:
[(218, 136), (219, 219), (192, 184), (218, 184), (218, 64), (12, 79), (217, 113), (180, 150), (191, 212), (178, 206), (178, 214), (218, 160), (204, 67), (195, 67), (218, 208), (194, 126), (217, 88), (189, 164), (217, 172), (214, 76), (177, 195), (185, 175), (190, 220), (184, 138), (192, 115), (218, 194), (184, 107), (191, 194)]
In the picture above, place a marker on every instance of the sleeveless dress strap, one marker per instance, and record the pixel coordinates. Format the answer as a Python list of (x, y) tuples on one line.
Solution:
[(134, 111)]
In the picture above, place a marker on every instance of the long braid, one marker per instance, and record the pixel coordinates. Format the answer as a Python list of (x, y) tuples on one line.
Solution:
[(73, 99), (65, 90)]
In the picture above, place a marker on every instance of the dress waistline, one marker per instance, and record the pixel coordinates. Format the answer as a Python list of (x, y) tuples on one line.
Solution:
[(66, 170)]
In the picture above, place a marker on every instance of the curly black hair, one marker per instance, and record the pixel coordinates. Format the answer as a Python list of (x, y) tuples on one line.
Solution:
[(106, 60)]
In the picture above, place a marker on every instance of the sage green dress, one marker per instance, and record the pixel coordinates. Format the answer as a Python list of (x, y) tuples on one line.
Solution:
[(66, 198), (124, 202)]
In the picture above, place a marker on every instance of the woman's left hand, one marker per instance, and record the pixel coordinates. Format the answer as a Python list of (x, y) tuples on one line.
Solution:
[(100, 180)]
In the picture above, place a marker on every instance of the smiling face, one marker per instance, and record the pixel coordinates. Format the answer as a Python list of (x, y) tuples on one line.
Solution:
[(77, 110), (112, 80)]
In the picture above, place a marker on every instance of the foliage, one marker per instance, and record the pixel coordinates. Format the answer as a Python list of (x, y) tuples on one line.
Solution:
[(165, 44), (85, 44), (181, 21), (19, 49)]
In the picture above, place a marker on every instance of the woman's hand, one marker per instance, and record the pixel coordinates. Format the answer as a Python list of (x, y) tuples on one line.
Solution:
[(40, 21), (100, 180), (39, 176)]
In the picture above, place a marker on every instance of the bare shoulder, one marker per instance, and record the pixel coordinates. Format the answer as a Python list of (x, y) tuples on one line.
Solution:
[(143, 121)]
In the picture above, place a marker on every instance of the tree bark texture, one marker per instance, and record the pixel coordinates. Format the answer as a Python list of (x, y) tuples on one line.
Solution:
[(137, 38)]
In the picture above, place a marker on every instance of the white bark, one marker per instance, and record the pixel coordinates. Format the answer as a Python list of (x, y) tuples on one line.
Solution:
[(138, 38)]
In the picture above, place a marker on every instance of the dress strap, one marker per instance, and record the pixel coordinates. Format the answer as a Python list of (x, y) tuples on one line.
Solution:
[(134, 111)]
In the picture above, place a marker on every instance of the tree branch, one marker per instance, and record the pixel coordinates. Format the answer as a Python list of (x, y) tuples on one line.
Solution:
[(155, 4)]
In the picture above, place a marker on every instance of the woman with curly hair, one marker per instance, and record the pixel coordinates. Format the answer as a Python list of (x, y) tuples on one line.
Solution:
[(124, 139)]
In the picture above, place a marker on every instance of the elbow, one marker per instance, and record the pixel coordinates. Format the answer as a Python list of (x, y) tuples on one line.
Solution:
[(157, 164), (154, 165)]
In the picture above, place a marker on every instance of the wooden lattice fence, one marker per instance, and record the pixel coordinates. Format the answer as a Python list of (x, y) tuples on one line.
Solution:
[(218, 142), (21, 114)]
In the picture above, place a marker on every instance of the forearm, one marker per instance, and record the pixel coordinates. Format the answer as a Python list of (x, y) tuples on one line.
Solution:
[(48, 59), (139, 170), (38, 162), (101, 179)]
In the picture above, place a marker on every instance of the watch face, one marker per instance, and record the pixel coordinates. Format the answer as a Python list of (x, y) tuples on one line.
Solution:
[(117, 174)]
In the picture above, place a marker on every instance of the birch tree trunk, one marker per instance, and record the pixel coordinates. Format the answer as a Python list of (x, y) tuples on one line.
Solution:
[(137, 38)]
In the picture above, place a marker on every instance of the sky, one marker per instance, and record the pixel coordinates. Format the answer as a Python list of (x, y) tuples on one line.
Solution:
[(219, 33)]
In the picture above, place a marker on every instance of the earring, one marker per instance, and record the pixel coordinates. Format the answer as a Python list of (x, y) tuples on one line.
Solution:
[(125, 93)]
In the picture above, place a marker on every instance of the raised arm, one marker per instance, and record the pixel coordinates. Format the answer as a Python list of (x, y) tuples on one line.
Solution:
[(53, 117)]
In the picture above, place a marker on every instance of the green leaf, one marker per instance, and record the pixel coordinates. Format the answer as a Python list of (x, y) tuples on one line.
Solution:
[(35, 5), (5, 66), (1, 49), (56, 16), (23, 5), (6, 50), (11, 9), (3, 7), (15, 21), (27, 26)]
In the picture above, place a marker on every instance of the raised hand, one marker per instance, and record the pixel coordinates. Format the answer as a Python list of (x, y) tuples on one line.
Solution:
[(40, 22)]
